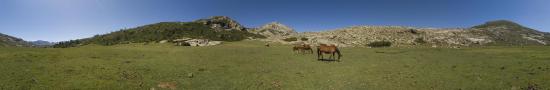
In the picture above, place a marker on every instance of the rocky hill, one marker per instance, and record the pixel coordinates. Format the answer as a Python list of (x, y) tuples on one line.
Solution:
[(9, 41), (504, 32), (500, 32)]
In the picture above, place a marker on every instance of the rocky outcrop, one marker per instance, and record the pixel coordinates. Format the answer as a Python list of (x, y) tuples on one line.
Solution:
[(222, 23), (195, 42)]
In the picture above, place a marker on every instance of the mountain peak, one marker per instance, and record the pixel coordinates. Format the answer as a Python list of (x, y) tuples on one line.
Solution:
[(276, 28)]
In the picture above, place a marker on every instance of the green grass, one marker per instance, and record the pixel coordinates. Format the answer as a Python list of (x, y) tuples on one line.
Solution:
[(250, 65)]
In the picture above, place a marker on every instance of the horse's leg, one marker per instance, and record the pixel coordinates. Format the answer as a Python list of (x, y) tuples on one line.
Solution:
[(322, 55), (332, 57), (318, 54)]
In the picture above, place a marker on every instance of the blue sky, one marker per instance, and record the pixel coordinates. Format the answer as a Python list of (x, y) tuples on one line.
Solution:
[(59, 20)]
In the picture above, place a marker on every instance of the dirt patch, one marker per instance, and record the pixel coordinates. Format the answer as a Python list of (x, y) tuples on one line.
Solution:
[(276, 84), (168, 85)]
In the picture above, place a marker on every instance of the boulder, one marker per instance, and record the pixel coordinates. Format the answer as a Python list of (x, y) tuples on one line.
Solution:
[(163, 41), (182, 39), (212, 43)]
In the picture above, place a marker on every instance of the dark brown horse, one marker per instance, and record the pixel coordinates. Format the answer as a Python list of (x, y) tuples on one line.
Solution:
[(302, 48), (328, 49)]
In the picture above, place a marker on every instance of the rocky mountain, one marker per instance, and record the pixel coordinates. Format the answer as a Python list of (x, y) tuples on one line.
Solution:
[(500, 32), (10, 41)]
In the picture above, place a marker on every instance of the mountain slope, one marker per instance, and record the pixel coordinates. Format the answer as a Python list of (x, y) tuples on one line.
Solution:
[(500, 32), (167, 31), (10, 41)]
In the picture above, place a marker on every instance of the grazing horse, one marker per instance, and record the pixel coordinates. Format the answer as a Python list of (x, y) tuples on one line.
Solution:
[(328, 49), (302, 48)]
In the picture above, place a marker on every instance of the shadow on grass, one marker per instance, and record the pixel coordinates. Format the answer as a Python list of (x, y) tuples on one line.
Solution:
[(328, 60)]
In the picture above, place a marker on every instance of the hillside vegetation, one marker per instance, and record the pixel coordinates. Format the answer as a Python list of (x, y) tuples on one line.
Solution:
[(161, 31)]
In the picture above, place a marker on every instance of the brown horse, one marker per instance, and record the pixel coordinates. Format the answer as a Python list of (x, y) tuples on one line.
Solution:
[(302, 48), (328, 49)]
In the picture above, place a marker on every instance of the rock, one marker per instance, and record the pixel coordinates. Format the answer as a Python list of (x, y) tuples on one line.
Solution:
[(202, 42), (190, 75), (163, 41), (198, 42), (182, 39), (212, 43)]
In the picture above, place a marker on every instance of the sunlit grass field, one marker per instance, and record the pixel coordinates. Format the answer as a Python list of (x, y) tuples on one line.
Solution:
[(249, 65)]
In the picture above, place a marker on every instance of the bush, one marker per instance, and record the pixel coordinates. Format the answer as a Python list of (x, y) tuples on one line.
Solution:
[(379, 44), (291, 39), (420, 40), (304, 39)]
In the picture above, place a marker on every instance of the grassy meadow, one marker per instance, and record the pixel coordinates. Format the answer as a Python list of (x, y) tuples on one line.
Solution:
[(247, 65)]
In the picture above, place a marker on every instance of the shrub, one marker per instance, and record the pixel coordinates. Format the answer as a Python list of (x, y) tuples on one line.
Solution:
[(420, 40), (413, 31), (291, 39), (304, 39), (379, 44)]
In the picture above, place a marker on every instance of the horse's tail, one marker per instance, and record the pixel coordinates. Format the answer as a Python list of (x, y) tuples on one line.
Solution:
[(339, 54)]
